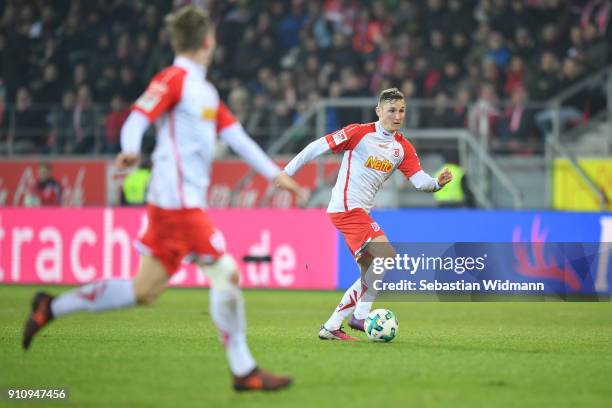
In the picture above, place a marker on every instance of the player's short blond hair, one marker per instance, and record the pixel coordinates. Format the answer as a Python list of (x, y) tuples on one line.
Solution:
[(390, 95), (188, 27)]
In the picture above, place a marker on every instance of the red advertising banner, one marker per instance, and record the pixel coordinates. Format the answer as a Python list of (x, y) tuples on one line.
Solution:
[(227, 175), (76, 246), (83, 181), (97, 183)]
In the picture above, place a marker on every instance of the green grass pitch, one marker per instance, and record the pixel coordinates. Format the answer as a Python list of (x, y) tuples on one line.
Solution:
[(446, 354)]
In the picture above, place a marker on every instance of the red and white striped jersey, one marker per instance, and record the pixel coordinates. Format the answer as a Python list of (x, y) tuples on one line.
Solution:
[(189, 116), (371, 154)]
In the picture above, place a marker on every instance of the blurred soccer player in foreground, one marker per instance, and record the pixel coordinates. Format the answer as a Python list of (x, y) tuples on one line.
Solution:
[(189, 117), (372, 151)]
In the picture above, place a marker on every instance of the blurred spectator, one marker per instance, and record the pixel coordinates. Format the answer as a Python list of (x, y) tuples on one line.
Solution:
[(84, 123), (457, 193), (437, 116), (129, 85), (238, 102), (597, 13), (458, 115), (341, 54), (459, 18), (103, 55), (573, 109), (549, 41), (516, 74), (151, 22), (433, 17), (544, 81), (333, 121), (524, 45), (106, 84), (28, 133), (498, 50), (112, 125), (483, 115), (460, 47), (514, 16), (413, 113), (289, 27), (436, 53), (597, 48), (49, 91), (79, 76), (367, 33), (449, 81), (141, 52), (62, 126), (134, 189), (48, 189), (515, 128), (246, 58)]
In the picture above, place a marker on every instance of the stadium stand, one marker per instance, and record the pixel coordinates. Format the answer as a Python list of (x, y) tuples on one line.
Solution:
[(70, 69)]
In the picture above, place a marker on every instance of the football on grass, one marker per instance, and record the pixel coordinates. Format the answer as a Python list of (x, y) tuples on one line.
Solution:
[(381, 325)]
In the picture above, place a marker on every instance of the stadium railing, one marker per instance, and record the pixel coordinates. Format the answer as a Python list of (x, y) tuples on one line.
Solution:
[(598, 90)]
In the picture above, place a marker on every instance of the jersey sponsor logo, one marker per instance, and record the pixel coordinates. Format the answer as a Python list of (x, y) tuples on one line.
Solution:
[(375, 226), (152, 96), (208, 113), (375, 163), (339, 137), (396, 152)]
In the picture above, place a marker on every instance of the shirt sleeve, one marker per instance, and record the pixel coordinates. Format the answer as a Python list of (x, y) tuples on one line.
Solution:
[(313, 150), (162, 94), (132, 132), (224, 117), (424, 182), (410, 164), (346, 138), (236, 137)]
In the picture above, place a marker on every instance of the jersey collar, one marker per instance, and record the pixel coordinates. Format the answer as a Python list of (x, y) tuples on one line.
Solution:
[(380, 130), (190, 66)]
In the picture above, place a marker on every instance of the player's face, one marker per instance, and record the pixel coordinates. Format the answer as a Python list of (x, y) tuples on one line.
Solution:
[(391, 115)]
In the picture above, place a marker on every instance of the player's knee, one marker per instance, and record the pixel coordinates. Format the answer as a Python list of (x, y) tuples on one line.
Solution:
[(386, 251), (223, 273)]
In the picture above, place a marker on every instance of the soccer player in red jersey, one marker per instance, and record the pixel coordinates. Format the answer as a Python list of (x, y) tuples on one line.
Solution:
[(189, 117), (372, 152)]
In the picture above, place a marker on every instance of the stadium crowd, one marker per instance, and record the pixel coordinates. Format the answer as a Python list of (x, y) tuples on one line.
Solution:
[(70, 69)]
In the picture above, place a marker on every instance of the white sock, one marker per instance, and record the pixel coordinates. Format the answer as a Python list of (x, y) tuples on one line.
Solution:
[(346, 306), (362, 309), (95, 297), (227, 311)]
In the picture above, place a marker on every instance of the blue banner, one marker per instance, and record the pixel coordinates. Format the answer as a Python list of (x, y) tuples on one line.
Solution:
[(541, 232)]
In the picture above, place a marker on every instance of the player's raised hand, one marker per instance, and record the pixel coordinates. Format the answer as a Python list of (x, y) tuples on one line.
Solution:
[(286, 182), (445, 177), (126, 160)]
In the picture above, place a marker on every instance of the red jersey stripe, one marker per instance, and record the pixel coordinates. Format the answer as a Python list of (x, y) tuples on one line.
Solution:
[(177, 159), (346, 183)]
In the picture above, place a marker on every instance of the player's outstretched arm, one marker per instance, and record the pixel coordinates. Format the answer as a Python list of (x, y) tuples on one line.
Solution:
[(241, 143), (131, 138), (310, 152), (424, 182), (286, 182)]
